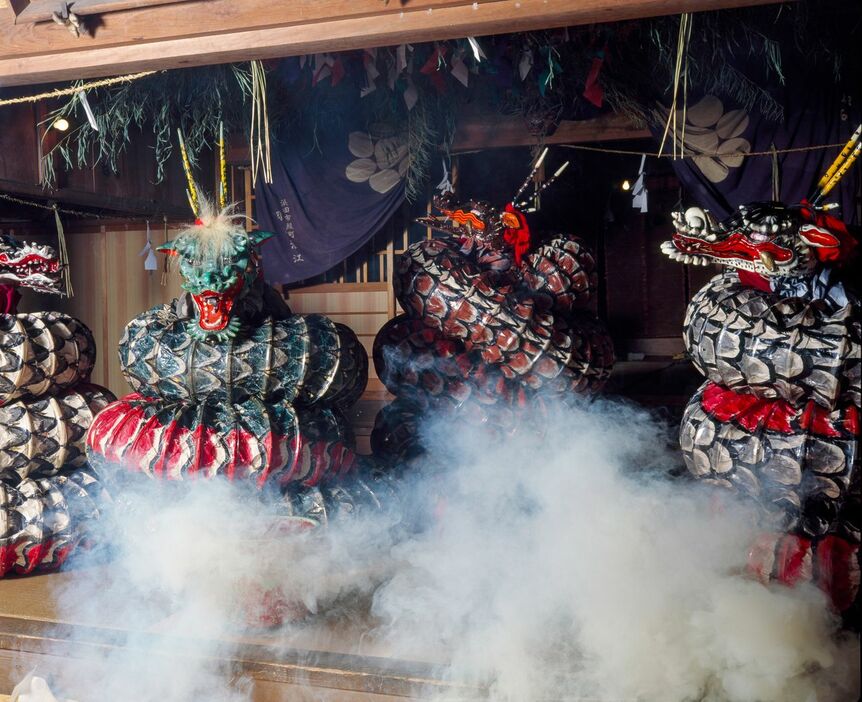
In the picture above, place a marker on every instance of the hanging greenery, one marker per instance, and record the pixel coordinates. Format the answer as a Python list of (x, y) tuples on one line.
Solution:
[(195, 100), (421, 90)]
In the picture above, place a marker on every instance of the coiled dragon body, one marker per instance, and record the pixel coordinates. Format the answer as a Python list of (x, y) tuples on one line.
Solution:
[(488, 323), (227, 381), (777, 336), (48, 494)]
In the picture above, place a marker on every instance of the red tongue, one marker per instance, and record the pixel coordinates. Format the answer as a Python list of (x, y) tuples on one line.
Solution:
[(213, 309)]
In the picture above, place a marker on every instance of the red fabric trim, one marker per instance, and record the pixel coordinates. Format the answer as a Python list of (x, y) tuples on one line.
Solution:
[(9, 298), (757, 414), (753, 280)]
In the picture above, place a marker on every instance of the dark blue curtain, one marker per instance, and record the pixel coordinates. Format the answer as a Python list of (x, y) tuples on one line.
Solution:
[(815, 112), (328, 198)]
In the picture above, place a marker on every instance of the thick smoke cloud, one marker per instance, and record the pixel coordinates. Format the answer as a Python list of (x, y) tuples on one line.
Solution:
[(569, 565), (555, 564)]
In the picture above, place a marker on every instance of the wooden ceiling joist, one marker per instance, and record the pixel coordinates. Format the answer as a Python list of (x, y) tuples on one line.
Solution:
[(73, 197), (154, 35), (474, 134)]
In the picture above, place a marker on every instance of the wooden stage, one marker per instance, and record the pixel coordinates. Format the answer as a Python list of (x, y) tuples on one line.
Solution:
[(324, 662)]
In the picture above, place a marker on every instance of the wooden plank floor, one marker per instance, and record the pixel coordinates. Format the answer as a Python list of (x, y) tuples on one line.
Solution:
[(317, 660)]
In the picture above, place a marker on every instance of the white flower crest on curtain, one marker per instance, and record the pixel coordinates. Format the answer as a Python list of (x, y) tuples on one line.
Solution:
[(382, 159), (713, 137)]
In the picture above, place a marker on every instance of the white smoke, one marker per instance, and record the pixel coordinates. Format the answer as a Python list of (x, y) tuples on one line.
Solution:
[(561, 565), (567, 566)]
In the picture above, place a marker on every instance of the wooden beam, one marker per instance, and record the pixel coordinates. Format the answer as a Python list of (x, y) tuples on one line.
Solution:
[(512, 131), (98, 201), (42, 10), (200, 32)]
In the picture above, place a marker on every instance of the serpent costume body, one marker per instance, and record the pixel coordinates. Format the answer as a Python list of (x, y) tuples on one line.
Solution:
[(777, 336), (227, 382), (48, 494), (490, 325)]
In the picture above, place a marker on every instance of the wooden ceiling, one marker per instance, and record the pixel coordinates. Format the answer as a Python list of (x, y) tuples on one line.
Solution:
[(135, 35)]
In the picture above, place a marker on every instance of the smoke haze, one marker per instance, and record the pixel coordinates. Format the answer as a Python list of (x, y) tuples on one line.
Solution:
[(561, 564)]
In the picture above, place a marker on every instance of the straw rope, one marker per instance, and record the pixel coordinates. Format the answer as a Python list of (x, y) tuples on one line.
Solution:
[(74, 89), (693, 154), (77, 213)]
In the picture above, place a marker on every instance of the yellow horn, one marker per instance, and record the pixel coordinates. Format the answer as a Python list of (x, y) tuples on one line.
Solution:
[(222, 169), (833, 181), (192, 190), (839, 159)]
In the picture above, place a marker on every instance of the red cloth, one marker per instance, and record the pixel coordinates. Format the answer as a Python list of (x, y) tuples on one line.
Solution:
[(518, 237), (837, 228), (431, 69), (9, 297), (593, 90)]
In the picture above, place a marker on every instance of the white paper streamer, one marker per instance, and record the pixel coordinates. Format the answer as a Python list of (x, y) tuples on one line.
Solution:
[(639, 191), (478, 54), (91, 118), (525, 64), (445, 185), (33, 689), (151, 262), (410, 95), (460, 72), (371, 72)]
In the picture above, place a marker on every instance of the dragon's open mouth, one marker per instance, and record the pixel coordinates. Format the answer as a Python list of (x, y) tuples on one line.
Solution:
[(31, 270), (215, 308), (736, 247)]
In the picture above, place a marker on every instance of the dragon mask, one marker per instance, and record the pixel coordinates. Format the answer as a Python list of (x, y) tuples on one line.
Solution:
[(766, 238), (219, 263), (483, 224), (29, 266)]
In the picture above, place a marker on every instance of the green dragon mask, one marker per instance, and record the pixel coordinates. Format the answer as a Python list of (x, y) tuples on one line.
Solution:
[(219, 263)]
